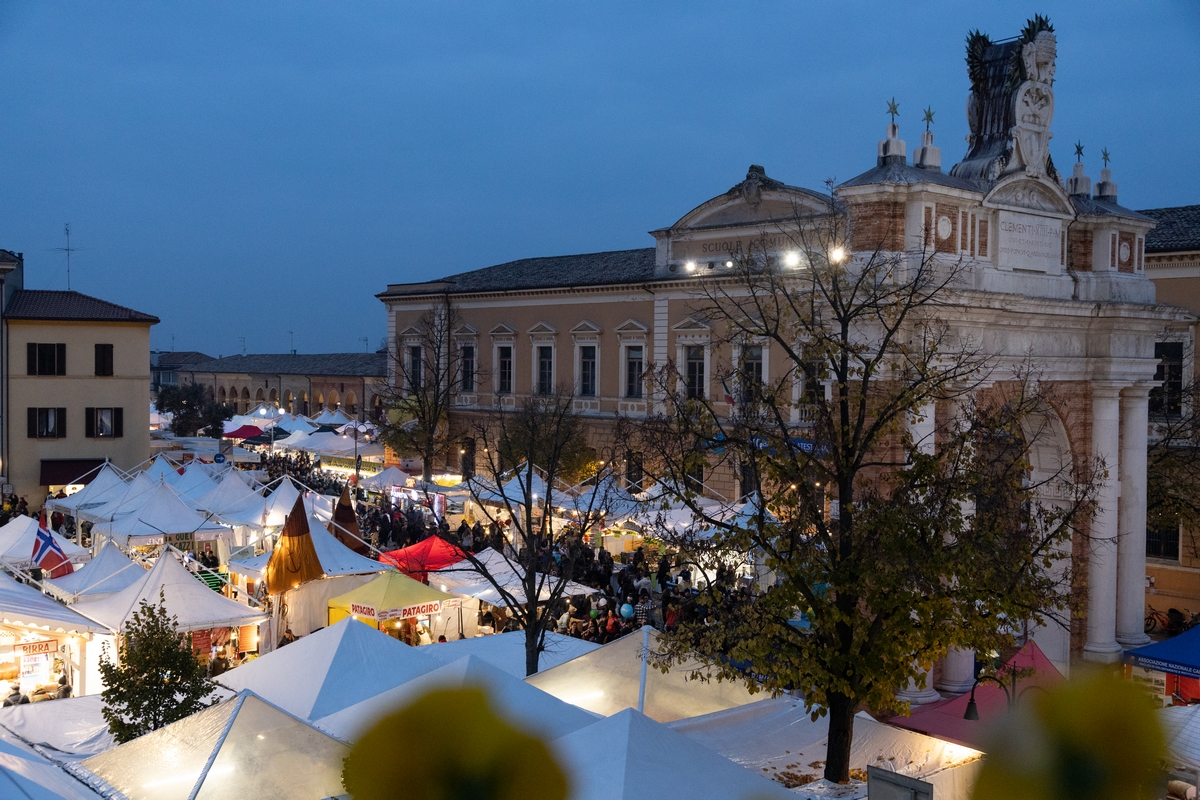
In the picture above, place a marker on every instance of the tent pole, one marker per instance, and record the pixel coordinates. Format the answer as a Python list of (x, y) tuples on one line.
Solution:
[(645, 658)]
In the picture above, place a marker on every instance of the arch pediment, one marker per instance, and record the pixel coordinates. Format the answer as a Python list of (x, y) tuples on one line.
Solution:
[(1027, 194), (757, 200)]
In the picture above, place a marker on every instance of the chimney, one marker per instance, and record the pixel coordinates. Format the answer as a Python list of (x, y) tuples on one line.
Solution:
[(1078, 183), (892, 149), (927, 156), (1105, 188)]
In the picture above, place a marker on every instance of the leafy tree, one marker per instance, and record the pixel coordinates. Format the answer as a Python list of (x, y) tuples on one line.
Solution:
[(193, 409), (888, 551), (156, 680), (426, 367)]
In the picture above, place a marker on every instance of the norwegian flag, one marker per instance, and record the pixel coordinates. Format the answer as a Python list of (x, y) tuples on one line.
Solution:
[(49, 556)]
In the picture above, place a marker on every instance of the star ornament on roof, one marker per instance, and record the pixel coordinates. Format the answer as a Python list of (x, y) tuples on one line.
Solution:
[(1078, 151), (893, 108), (928, 118), (1105, 156)]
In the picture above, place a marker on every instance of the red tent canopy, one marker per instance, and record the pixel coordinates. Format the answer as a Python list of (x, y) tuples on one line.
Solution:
[(425, 556), (244, 432), (944, 719)]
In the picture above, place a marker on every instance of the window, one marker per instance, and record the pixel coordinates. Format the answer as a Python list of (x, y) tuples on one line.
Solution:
[(47, 423), (814, 392), (104, 359), (467, 459), (747, 480), (545, 369), (46, 359), (1167, 399), (633, 372), (504, 370), (695, 373), (415, 369), (634, 474), (466, 368), (1163, 542), (751, 372), (104, 423), (587, 370)]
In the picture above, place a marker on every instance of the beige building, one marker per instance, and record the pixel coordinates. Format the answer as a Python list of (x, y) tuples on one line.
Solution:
[(305, 383), (1055, 272), (77, 388)]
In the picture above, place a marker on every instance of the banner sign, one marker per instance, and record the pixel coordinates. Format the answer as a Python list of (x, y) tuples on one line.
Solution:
[(453, 602), (420, 609), (362, 611), (37, 648)]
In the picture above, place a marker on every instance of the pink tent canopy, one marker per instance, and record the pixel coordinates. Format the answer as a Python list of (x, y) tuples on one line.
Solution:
[(244, 432), (944, 719)]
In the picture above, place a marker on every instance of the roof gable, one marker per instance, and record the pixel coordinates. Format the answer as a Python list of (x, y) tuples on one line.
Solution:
[(50, 304)]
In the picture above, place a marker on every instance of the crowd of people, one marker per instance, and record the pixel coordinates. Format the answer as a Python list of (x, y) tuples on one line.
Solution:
[(303, 468)]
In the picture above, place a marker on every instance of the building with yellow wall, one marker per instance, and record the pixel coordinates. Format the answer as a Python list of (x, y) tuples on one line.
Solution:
[(77, 389)]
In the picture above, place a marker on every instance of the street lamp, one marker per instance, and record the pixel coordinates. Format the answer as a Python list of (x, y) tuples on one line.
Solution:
[(1010, 693)]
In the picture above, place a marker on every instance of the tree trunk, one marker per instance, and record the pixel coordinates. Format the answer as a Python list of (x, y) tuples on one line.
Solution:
[(531, 650), (427, 466), (841, 733)]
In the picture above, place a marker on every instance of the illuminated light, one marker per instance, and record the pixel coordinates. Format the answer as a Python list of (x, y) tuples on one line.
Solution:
[(443, 587), (690, 266), (728, 263), (794, 487), (791, 259), (260, 736), (837, 255)]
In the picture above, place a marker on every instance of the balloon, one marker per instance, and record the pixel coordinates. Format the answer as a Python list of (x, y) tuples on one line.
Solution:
[(595, 613), (627, 611)]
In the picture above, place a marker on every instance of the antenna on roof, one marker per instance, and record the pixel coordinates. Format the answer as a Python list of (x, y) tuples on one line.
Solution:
[(242, 339), (68, 250), (291, 342), (366, 344)]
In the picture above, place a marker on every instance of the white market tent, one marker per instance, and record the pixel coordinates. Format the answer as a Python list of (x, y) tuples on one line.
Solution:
[(196, 481), (194, 605), (74, 726), (108, 572), (162, 513), (161, 469), (465, 580), (391, 476), (27, 607), (244, 746), (105, 484), (530, 709), (629, 756), (18, 537), (27, 774), (294, 440), (777, 737), (1181, 728), (122, 500), (296, 422), (232, 494), (610, 677), (280, 502), (506, 651), (334, 417), (332, 669)]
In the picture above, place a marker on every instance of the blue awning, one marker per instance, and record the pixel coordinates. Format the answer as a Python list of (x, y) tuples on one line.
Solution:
[(1179, 655)]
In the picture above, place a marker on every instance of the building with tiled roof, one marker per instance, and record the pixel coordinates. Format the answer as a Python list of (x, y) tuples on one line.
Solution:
[(1173, 255), (78, 386), (303, 383)]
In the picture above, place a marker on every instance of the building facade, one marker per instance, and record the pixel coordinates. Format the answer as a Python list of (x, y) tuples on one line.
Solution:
[(297, 383), (1055, 275), (77, 388), (165, 366)]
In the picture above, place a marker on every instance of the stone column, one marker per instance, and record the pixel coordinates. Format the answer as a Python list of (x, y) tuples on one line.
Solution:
[(919, 697), (1131, 543), (1102, 544), (958, 671)]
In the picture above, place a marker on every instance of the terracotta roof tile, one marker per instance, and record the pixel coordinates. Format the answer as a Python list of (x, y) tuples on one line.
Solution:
[(54, 304)]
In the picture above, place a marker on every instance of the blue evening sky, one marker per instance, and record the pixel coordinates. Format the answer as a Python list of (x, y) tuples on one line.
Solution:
[(246, 169)]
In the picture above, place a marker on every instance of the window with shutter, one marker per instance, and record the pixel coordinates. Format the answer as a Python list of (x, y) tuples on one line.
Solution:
[(89, 423), (33, 423), (45, 359), (118, 422), (60, 359), (104, 359), (60, 424), (31, 358)]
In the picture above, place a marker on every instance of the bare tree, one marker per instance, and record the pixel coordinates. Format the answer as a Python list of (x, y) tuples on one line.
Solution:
[(427, 372), (887, 551), (536, 452)]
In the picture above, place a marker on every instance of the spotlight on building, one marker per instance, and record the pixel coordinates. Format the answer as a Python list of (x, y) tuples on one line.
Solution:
[(729, 263), (837, 255), (791, 259), (690, 266)]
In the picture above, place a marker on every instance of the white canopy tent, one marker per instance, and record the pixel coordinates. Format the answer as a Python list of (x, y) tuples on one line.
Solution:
[(391, 476), (120, 501), (106, 483), (334, 417), (332, 669), (110, 571), (233, 492), (1181, 729), (464, 579), (517, 701), (194, 605), (162, 469), (242, 746), (25, 606), (294, 440), (280, 502), (610, 678), (629, 756), (29, 775), (506, 651), (196, 481), (163, 513), (296, 422), (18, 537), (73, 726)]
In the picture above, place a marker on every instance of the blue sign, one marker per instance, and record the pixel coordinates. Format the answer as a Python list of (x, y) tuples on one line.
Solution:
[(219, 458)]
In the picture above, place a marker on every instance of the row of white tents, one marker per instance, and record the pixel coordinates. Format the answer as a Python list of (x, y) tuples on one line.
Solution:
[(317, 696)]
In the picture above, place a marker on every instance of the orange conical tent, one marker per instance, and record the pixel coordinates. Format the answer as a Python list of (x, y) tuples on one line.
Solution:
[(344, 519), (295, 559)]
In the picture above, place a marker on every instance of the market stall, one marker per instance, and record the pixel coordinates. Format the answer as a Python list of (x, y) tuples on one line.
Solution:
[(105, 483), (385, 480), (406, 609), (506, 651), (428, 555), (18, 538), (108, 572), (163, 518)]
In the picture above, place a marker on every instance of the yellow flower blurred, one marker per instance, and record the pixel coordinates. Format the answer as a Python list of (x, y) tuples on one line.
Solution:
[(1093, 737), (450, 745)]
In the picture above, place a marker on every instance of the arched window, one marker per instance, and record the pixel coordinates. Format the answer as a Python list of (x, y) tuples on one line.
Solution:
[(304, 403), (351, 403), (221, 395), (287, 402), (273, 398), (333, 401), (245, 404)]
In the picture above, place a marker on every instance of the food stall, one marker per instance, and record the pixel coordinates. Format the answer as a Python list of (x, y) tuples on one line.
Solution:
[(406, 609)]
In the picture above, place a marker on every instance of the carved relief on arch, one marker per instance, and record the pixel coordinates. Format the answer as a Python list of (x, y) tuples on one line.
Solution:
[(1025, 194)]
